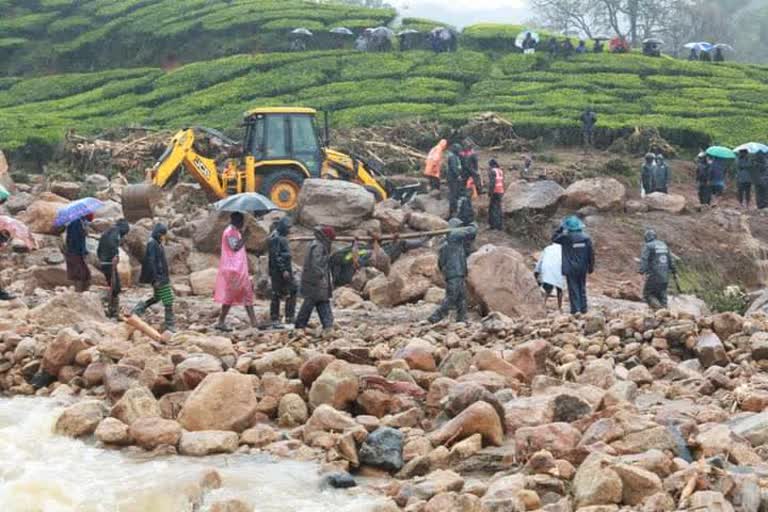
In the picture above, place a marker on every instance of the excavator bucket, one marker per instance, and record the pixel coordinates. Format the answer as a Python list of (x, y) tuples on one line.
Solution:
[(138, 201)]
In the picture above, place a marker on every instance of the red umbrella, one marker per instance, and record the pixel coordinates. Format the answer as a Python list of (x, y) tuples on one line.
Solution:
[(18, 231)]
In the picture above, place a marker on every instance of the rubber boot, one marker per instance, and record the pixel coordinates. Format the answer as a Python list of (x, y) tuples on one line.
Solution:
[(170, 319), (113, 309), (4, 295), (139, 309)]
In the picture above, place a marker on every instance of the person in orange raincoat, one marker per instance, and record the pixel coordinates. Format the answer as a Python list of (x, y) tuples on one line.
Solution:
[(434, 164)]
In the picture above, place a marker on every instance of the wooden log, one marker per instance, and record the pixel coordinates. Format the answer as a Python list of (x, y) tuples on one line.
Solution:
[(142, 326), (404, 236)]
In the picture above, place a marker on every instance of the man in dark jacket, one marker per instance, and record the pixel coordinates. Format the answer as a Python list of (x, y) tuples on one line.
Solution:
[(578, 261), (109, 257), (703, 179), (661, 175), (75, 253), (452, 261), (316, 285), (657, 266), (154, 271), (588, 121), (744, 178), (454, 178), (281, 272), (648, 174)]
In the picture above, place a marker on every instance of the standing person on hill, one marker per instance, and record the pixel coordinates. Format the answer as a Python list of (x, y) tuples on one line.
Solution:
[(434, 164), (496, 193), (718, 168), (281, 272), (703, 179), (549, 273), (470, 166), (316, 281), (109, 257), (154, 271), (661, 175), (578, 261), (75, 253), (233, 281), (588, 121), (454, 178), (760, 174), (744, 178), (452, 262), (648, 175), (657, 266)]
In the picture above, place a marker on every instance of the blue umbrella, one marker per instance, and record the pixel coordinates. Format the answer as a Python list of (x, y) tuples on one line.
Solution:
[(752, 148), (76, 210), (701, 46)]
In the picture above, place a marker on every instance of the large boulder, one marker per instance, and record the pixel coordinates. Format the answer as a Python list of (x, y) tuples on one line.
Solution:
[(597, 484), (337, 386), (41, 214), (336, 203), (207, 234), (149, 433), (501, 281), (408, 281), (66, 189), (431, 203), (80, 419), (204, 282), (537, 197), (61, 351), (68, 308), (191, 372), (207, 442), (670, 203), (426, 222), (136, 403), (223, 401), (601, 193)]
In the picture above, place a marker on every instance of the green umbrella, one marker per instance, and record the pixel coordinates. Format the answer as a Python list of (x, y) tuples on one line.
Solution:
[(4, 194), (721, 152)]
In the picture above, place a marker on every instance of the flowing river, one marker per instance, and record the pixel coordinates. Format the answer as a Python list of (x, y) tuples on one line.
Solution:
[(41, 472)]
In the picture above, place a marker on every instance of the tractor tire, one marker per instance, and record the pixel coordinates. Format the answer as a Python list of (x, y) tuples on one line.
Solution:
[(282, 187)]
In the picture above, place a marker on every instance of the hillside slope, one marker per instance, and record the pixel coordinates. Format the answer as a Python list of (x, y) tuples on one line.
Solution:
[(692, 104)]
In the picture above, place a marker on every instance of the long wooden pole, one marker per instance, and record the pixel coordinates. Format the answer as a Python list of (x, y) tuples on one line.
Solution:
[(404, 236)]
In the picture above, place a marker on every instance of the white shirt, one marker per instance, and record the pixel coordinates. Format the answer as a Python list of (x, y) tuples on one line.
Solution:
[(550, 266)]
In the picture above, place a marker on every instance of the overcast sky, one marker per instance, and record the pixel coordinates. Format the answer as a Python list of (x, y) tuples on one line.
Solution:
[(465, 12)]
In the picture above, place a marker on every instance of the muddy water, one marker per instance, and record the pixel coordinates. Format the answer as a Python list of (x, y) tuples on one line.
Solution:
[(40, 472)]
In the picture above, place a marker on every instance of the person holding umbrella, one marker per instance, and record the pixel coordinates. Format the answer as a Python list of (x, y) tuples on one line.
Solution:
[(109, 257), (718, 168), (233, 282), (744, 178), (76, 251)]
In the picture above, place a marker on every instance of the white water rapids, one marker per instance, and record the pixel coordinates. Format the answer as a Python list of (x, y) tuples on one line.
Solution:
[(41, 472)]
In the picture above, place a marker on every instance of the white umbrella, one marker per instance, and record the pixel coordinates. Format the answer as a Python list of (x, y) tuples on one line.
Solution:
[(407, 32), (522, 35), (752, 148), (653, 40), (701, 46), (301, 32), (343, 31), (724, 46)]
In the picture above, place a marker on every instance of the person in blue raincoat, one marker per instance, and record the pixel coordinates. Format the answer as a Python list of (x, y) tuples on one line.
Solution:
[(578, 261)]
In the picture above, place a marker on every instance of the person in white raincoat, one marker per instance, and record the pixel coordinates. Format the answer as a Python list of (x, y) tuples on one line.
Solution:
[(549, 273)]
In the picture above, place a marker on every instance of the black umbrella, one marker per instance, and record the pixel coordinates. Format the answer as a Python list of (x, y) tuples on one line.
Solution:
[(246, 202)]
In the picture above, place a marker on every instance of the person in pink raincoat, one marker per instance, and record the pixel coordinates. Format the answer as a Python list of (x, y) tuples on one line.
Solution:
[(233, 282)]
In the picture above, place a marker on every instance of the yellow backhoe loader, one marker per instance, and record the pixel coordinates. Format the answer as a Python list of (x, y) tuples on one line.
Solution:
[(281, 148)]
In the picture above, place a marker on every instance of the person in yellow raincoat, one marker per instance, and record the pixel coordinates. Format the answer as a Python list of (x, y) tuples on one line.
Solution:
[(434, 164)]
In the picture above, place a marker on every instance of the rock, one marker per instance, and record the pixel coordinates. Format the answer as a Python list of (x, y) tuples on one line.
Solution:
[(456, 363), (136, 403), (558, 438), (383, 448), (392, 219), (193, 370), (336, 203), (596, 484), (203, 282), (61, 351), (670, 203), (711, 351), (313, 368), (417, 357), (540, 197), (528, 412), (501, 280), (207, 442), (341, 480), (66, 189), (479, 418), (453, 502), (113, 431), (259, 436), (758, 344), (530, 357), (232, 505), (292, 411), (409, 279), (598, 373), (68, 308), (149, 433), (430, 203), (643, 440), (426, 222), (41, 214), (753, 428), (688, 304), (223, 401), (727, 324), (214, 345), (337, 386), (488, 360), (278, 361), (637, 483), (346, 298), (80, 419), (119, 378), (711, 501), (208, 230), (601, 193)]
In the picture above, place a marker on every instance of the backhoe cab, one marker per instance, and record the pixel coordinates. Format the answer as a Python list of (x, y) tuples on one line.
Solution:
[(280, 149)]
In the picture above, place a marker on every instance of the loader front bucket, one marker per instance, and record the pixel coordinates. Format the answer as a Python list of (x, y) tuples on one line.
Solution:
[(138, 201)]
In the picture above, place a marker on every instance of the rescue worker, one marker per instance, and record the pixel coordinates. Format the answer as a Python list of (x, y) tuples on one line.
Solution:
[(648, 174), (703, 179), (761, 180), (154, 271), (75, 253), (281, 272), (657, 266), (588, 121), (434, 164), (744, 178), (316, 284), (496, 193), (344, 262), (661, 175), (470, 166), (452, 261), (108, 253), (578, 261), (5, 241), (454, 178)]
